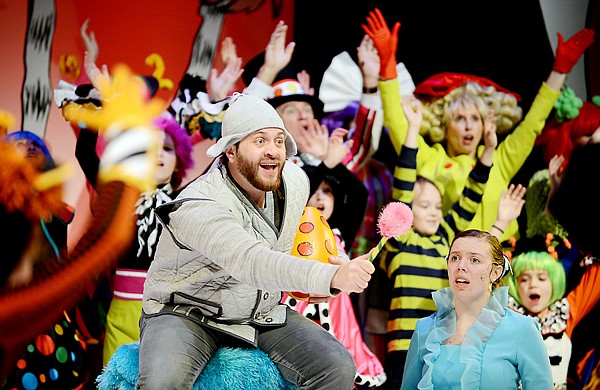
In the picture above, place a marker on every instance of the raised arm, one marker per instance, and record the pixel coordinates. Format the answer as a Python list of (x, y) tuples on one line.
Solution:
[(368, 120), (555, 170), (567, 55), (515, 149), (490, 139), (89, 41), (405, 172), (509, 208), (277, 54), (386, 42), (221, 83)]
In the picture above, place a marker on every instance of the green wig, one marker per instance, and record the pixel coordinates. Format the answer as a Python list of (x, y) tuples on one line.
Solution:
[(542, 261)]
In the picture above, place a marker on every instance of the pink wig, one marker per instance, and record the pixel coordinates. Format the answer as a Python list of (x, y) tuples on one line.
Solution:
[(183, 147)]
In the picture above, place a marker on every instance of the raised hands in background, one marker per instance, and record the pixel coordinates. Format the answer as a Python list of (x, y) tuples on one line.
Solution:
[(220, 84), (89, 41), (304, 80), (510, 206), (337, 147), (568, 52), (368, 62), (385, 42), (313, 139), (277, 54)]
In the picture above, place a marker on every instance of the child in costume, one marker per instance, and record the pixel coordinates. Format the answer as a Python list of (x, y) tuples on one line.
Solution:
[(174, 160), (573, 306), (35, 151), (576, 208), (341, 199), (537, 289)]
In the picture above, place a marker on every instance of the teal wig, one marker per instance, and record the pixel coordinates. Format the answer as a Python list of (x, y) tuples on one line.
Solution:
[(542, 261)]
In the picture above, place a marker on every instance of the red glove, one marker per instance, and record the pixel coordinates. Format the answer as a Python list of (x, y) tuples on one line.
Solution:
[(385, 42), (568, 53)]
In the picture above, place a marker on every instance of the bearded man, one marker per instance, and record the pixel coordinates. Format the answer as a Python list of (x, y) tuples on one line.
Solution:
[(223, 261)]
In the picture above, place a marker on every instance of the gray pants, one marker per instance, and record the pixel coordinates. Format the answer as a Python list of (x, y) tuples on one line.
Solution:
[(174, 351)]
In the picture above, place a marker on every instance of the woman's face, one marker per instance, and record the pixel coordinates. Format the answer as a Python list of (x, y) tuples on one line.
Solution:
[(464, 131), (535, 290), (471, 270), (323, 200), (167, 158)]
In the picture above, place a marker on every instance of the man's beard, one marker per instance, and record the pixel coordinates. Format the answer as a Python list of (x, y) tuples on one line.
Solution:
[(250, 172)]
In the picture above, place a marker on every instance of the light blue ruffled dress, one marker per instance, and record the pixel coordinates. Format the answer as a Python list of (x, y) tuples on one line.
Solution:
[(502, 350)]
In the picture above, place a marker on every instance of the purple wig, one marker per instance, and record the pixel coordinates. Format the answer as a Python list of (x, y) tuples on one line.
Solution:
[(341, 118), (183, 147)]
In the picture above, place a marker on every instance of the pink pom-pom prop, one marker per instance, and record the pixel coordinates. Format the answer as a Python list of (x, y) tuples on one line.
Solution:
[(395, 219)]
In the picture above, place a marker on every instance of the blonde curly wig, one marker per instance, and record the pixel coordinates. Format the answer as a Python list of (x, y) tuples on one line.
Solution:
[(436, 113)]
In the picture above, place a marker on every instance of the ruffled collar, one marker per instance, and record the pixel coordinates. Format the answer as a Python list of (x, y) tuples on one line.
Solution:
[(553, 322), (477, 336)]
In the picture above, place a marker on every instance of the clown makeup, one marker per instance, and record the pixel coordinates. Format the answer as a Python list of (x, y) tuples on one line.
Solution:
[(471, 270)]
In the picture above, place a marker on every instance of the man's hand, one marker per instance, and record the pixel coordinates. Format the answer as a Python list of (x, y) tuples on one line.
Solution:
[(353, 276)]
